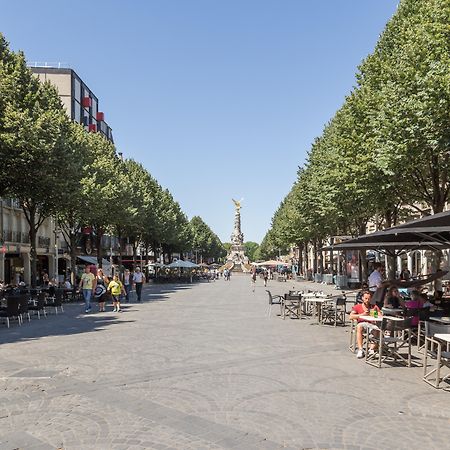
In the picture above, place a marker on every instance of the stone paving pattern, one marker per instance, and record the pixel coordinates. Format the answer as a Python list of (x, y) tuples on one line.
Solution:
[(204, 367)]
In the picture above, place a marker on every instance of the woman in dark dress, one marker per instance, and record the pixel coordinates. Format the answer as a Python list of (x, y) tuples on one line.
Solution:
[(100, 290)]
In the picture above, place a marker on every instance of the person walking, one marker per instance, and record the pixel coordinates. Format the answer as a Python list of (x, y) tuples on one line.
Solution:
[(138, 280), (127, 284), (265, 277), (116, 289), (87, 286), (253, 278), (100, 293)]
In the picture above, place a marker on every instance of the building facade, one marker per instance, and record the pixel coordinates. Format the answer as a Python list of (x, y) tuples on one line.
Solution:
[(82, 106), (80, 102)]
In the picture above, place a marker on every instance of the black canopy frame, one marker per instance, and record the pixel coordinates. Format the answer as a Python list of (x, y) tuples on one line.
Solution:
[(430, 232)]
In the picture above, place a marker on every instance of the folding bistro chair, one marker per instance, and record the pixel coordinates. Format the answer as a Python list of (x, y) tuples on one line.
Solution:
[(394, 336), (437, 349), (291, 306), (333, 312)]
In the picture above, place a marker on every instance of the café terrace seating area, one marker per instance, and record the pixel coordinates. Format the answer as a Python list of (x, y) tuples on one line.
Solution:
[(411, 338), (21, 305)]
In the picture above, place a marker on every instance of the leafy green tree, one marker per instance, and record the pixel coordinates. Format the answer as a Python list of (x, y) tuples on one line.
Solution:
[(250, 249), (71, 214), (33, 135), (204, 241), (102, 193)]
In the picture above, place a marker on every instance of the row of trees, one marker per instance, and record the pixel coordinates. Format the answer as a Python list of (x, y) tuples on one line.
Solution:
[(386, 153), (55, 168)]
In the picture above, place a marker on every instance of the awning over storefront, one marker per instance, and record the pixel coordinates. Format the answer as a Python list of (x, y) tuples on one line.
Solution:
[(106, 265)]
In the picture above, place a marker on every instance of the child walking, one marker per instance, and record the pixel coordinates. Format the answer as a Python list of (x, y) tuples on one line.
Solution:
[(116, 288)]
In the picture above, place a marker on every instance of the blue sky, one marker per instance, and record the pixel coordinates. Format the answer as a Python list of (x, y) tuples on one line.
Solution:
[(218, 99)]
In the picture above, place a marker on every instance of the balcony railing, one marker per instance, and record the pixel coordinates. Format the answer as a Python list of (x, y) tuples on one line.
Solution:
[(18, 237), (43, 242), (11, 203)]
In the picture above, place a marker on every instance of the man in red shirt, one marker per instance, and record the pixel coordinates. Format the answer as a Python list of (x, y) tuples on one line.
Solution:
[(358, 312)]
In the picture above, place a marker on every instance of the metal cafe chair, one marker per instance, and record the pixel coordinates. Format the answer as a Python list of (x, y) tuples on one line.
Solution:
[(56, 301), (439, 351), (12, 310), (274, 300), (39, 305), (394, 336), (23, 307)]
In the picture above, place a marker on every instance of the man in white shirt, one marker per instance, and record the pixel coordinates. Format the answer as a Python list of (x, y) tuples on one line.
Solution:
[(375, 278), (138, 280)]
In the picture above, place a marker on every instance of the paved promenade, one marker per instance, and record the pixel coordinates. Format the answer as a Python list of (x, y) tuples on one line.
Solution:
[(204, 367)]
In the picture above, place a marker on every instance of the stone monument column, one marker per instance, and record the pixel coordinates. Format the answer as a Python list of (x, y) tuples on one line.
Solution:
[(237, 250)]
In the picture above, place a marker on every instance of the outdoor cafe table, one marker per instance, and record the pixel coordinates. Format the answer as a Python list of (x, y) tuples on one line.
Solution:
[(443, 337), (379, 318), (392, 311), (444, 320), (318, 301)]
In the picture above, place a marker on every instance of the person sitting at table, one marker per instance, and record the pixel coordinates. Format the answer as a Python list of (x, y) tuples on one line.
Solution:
[(393, 299), (364, 287), (359, 311), (417, 301), (67, 284)]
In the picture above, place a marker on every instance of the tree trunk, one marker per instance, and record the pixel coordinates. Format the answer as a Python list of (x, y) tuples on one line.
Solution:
[(98, 244), (119, 237), (300, 259), (320, 256), (391, 263), (363, 275), (315, 257), (73, 258), (306, 260), (33, 251)]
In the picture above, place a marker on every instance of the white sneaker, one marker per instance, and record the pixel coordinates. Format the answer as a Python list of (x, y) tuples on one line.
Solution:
[(114, 310), (360, 354)]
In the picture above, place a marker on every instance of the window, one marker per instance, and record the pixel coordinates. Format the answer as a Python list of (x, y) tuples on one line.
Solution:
[(94, 107), (77, 112), (86, 118), (77, 93)]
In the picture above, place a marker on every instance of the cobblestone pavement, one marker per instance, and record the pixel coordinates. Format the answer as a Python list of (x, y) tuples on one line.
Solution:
[(205, 367)]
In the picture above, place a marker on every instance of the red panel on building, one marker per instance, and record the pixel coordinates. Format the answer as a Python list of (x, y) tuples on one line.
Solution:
[(87, 101), (93, 128), (100, 116)]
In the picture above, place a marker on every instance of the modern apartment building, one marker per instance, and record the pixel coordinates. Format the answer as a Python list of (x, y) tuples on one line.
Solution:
[(82, 106), (80, 102)]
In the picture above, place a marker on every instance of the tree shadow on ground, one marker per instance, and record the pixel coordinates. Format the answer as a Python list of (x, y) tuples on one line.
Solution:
[(71, 321), (75, 321)]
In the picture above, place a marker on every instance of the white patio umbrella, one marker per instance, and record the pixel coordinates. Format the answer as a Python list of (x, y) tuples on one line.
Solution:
[(180, 264)]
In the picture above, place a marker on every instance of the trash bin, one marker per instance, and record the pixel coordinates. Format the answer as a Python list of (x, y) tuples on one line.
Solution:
[(318, 278), (341, 281), (328, 278)]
